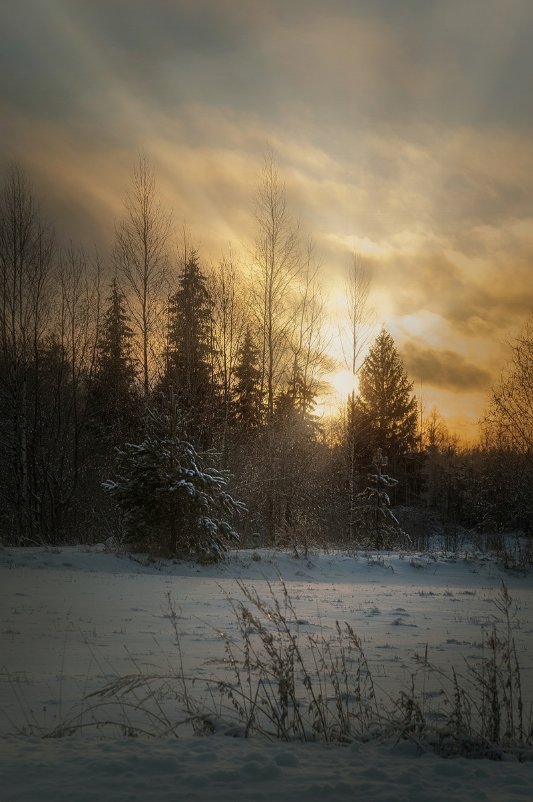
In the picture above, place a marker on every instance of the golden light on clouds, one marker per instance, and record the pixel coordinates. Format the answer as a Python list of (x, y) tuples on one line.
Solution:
[(403, 132)]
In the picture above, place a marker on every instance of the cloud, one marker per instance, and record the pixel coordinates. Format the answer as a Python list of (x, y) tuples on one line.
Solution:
[(403, 130), (443, 368), (370, 64)]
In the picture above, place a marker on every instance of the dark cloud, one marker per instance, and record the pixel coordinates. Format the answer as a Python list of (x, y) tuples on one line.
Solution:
[(370, 63), (444, 369)]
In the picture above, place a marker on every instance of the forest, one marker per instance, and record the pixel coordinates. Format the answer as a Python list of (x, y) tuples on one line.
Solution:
[(170, 405)]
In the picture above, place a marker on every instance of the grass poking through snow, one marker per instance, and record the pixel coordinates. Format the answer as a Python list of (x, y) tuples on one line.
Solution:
[(282, 681)]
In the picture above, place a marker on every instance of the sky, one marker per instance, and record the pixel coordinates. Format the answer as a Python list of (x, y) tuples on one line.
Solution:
[(402, 129)]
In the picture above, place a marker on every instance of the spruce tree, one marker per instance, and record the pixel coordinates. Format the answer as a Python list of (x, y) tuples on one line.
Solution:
[(247, 394), (172, 502), (113, 395), (385, 412), (188, 372), (376, 525)]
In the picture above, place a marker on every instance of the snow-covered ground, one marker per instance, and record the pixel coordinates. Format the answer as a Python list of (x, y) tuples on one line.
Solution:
[(73, 619)]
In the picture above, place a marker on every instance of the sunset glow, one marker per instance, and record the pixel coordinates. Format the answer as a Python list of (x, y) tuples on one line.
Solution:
[(402, 131)]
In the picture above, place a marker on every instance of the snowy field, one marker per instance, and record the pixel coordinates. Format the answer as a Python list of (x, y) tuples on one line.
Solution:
[(72, 620)]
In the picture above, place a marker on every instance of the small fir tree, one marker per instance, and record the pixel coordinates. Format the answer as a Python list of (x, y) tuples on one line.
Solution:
[(172, 503), (376, 525)]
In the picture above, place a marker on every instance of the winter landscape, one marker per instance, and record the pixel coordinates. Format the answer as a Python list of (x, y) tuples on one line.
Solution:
[(266, 400), (76, 619)]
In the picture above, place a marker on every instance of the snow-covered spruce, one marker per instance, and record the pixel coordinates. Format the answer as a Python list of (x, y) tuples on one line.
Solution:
[(172, 504), (375, 522)]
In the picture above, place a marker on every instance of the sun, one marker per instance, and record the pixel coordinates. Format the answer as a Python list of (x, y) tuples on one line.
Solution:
[(343, 383)]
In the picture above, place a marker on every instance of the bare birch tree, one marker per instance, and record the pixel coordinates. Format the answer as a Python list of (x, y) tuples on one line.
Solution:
[(510, 415), (141, 257), (360, 318), (67, 355), (26, 267), (308, 345), (80, 284), (277, 264), (229, 324), (360, 314)]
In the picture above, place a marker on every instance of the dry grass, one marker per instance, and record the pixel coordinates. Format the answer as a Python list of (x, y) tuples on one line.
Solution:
[(280, 682)]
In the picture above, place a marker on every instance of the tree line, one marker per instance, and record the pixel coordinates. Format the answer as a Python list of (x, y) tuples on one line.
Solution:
[(141, 394)]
